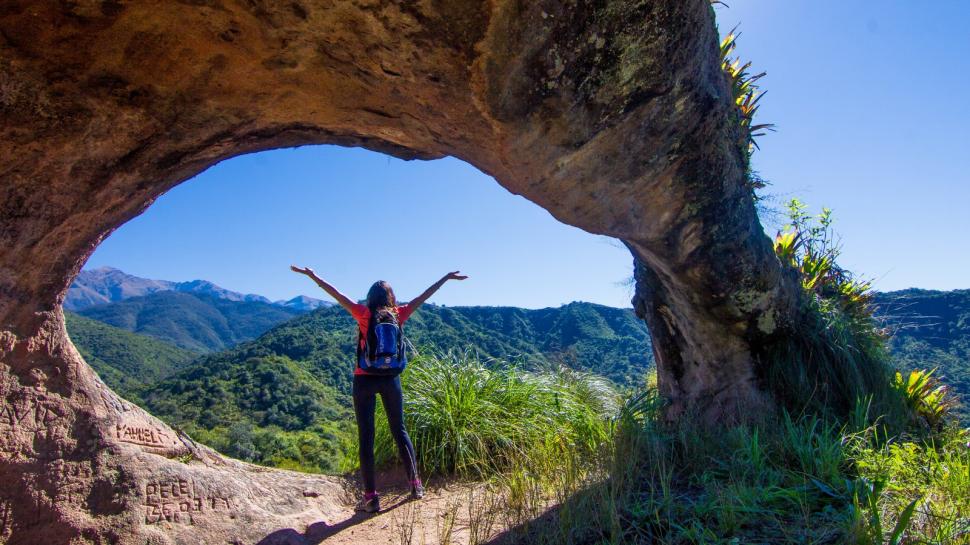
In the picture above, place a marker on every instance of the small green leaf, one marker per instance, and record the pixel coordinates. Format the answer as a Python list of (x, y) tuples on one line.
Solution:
[(903, 522)]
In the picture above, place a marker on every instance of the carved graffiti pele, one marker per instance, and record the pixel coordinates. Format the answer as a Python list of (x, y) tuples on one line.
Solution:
[(179, 500)]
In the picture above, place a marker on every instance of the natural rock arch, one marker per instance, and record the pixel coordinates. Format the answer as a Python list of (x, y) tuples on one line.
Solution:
[(614, 116)]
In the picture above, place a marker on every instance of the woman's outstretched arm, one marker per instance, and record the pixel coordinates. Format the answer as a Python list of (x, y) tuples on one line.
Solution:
[(419, 300), (342, 299)]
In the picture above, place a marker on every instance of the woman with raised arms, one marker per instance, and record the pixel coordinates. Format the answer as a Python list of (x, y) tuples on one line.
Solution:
[(379, 362)]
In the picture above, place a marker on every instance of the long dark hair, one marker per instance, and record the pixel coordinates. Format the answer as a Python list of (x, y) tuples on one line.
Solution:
[(380, 299)]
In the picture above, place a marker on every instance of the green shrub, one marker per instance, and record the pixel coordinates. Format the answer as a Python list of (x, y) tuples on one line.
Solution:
[(324, 447)]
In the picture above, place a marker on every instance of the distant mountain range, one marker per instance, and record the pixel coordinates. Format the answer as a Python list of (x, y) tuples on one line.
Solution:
[(109, 285), (930, 328), (611, 342)]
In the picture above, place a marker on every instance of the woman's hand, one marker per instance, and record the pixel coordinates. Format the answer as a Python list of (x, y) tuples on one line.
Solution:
[(419, 300), (342, 299)]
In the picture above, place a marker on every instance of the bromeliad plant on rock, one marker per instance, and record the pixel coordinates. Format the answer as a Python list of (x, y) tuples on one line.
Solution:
[(831, 354), (745, 92), (808, 244), (928, 400)]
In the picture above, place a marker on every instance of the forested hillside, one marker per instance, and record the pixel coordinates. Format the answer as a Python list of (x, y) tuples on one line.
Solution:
[(931, 329), (198, 322), (127, 362), (269, 394), (609, 341)]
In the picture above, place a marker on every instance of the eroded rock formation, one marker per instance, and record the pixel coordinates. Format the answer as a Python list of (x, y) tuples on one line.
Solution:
[(612, 115)]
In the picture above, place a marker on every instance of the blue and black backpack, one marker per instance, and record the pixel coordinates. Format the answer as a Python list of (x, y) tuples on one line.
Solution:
[(382, 350)]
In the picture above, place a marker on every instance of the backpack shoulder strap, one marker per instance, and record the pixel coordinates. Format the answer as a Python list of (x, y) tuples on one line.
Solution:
[(363, 341)]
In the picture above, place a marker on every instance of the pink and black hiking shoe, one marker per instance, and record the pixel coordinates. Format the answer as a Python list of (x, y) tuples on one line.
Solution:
[(370, 503), (417, 490)]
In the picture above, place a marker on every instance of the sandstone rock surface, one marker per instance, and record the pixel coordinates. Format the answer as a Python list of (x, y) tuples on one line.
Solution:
[(613, 115)]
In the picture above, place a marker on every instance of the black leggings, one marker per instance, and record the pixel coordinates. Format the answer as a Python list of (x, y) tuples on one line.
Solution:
[(366, 388)]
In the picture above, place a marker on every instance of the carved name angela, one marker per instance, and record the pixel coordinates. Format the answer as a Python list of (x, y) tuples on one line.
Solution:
[(144, 435)]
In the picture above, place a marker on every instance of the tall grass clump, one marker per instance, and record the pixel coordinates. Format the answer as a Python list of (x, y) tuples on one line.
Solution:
[(474, 418), (832, 361), (789, 479)]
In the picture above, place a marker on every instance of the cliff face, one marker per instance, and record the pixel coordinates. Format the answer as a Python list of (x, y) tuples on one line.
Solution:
[(615, 117)]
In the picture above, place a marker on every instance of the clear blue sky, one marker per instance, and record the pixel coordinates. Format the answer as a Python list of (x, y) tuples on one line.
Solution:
[(242, 223), (871, 105)]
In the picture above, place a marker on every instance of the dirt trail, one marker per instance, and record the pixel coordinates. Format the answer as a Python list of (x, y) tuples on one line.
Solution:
[(441, 517)]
